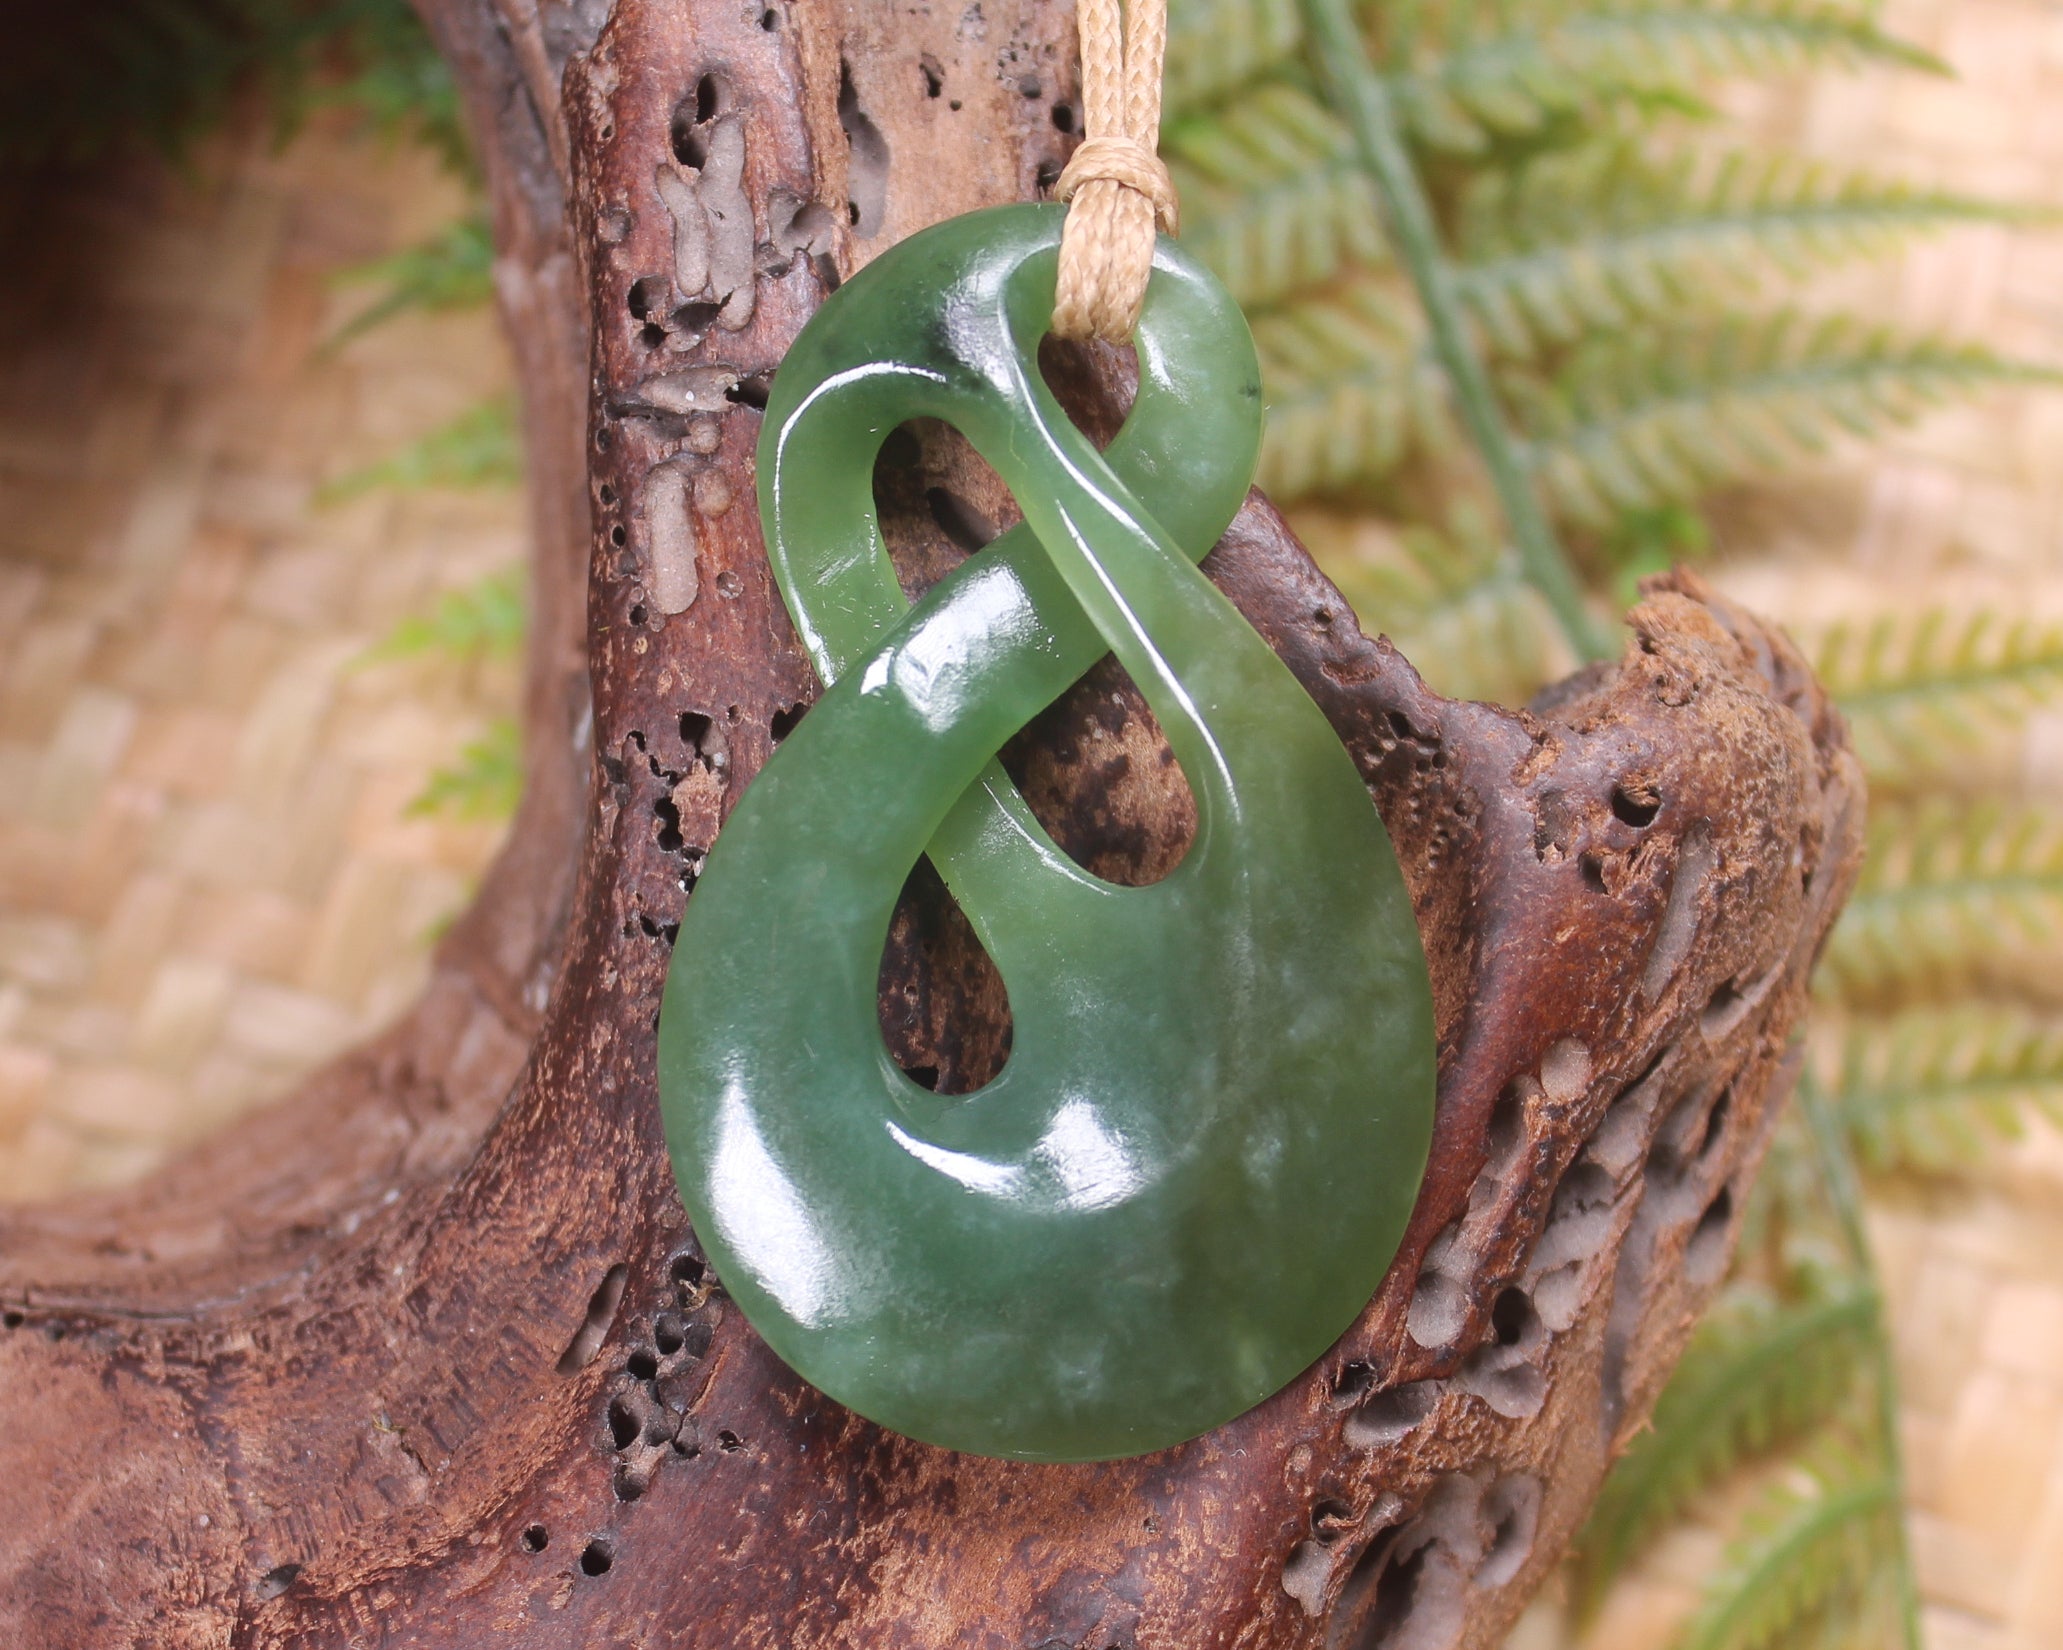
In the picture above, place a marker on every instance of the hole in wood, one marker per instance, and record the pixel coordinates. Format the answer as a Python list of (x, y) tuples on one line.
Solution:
[(601, 1313), (1513, 1511), (1635, 805), (867, 173), (688, 1270), (648, 296), (1387, 1416), (276, 1580), (1704, 1257)]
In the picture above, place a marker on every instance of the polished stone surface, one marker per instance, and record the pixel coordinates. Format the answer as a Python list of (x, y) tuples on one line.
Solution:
[(1200, 1157)]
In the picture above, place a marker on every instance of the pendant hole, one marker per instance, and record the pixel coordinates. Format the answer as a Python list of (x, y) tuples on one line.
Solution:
[(1098, 773), (937, 501), (1095, 383), (944, 1011)]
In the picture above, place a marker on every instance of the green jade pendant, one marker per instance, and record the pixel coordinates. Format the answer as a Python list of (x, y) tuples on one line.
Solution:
[(1196, 1165)]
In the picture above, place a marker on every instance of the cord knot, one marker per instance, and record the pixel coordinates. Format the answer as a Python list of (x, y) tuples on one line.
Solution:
[(1128, 163), (1115, 186)]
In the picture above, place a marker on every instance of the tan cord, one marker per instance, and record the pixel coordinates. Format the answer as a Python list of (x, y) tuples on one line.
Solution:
[(1116, 188)]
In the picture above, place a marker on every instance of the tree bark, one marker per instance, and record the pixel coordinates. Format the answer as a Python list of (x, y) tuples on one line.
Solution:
[(427, 1354)]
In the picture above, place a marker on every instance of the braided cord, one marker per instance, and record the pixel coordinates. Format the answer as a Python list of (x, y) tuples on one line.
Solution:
[(1117, 190)]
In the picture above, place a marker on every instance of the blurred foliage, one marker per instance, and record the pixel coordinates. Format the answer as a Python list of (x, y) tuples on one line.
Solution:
[(452, 270), (486, 781), (1808, 1568), (1762, 1372), (479, 448), (1631, 274), (484, 621), (1928, 693), (1929, 1088), (78, 84), (1955, 896)]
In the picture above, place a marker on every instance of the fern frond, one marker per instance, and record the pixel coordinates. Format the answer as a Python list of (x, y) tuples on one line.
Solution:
[(1948, 895), (1606, 235), (1215, 46), (1350, 388), (479, 448), (1653, 416), (1808, 1563), (454, 270), (1920, 690), (485, 620), (1757, 1373), (1466, 74), (1927, 1089), (485, 783), (1272, 198)]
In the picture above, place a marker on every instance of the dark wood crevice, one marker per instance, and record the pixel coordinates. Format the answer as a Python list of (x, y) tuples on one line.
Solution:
[(427, 1353)]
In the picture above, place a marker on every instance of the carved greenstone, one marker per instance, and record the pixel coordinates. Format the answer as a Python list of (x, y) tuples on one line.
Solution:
[(1197, 1162)]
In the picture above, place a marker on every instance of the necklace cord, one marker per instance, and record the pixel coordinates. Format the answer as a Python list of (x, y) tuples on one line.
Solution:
[(1117, 190)]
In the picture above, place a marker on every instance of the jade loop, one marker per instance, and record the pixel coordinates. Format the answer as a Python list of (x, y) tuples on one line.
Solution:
[(1198, 1161)]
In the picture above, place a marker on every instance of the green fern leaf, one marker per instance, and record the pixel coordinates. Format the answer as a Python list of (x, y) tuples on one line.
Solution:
[(1949, 895), (1216, 46), (485, 620), (1650, 417), (1756, 1374), (479, 448), (1272, 197), (1927, 1090), (484, 784), (1350, 389), (1922, 691), (1810, 1566), (1590, 241), (1465, 74), (455, 270)]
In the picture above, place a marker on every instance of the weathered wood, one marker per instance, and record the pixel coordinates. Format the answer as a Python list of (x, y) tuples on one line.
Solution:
[(426, 1355)]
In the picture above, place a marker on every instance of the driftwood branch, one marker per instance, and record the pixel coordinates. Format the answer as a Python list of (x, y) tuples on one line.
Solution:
[(426, 1355)]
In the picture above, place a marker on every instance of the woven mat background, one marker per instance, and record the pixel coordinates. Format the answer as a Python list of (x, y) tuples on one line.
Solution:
[(209, 880)]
